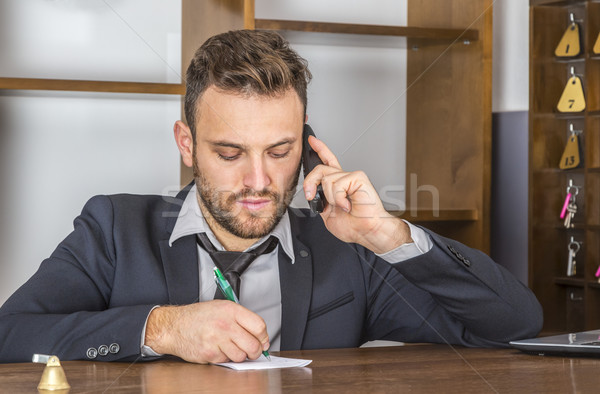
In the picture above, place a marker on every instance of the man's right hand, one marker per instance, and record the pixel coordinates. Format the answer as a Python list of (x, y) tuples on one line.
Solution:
[(207, 332)]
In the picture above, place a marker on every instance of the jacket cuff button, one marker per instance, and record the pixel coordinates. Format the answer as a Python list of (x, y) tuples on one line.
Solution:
[(114, 348), (91, 353), (103, 350)]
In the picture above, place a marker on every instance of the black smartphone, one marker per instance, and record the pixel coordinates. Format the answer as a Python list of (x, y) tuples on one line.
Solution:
[(310, 159)]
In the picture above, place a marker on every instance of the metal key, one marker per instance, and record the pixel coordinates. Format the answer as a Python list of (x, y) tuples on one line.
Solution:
[(571, 211), (574, 247), (572, 265)]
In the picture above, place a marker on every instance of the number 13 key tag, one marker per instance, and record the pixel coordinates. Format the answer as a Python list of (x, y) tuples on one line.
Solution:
[(569, 45), (572, 98), (571, 157)]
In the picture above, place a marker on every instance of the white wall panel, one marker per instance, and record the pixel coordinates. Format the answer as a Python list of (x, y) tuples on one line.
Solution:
[(510, 75), (59, 149), (119, 40)]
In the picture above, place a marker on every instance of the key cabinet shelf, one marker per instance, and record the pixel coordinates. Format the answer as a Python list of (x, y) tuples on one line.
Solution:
[(570, 299)]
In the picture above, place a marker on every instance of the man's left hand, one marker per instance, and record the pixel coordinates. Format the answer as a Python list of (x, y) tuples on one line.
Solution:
[(354, 212)]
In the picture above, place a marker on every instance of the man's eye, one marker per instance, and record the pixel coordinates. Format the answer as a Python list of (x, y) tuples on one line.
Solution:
[(278, 155), (228, 158)]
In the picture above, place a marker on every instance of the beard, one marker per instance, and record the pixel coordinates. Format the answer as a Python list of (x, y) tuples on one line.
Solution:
[(224, 210)]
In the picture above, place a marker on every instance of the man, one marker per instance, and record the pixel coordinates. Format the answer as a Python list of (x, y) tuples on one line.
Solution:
[(134, 279)]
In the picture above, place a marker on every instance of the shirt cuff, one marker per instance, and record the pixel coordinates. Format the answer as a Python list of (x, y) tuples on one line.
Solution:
[(147, 351), (421, 244)]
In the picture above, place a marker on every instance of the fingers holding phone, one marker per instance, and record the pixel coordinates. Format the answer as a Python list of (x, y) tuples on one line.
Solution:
[(353, 211)]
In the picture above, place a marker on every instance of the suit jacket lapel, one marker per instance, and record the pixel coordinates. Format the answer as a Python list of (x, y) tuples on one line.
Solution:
[(296, 290), (180, 261)]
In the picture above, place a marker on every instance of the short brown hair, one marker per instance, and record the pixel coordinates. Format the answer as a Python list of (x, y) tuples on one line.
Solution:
[(246, 62)]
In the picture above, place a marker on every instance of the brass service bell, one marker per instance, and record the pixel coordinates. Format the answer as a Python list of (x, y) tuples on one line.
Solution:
[(53, 377)]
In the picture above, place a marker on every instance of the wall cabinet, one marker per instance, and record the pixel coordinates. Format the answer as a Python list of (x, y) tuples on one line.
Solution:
[(570, 297)]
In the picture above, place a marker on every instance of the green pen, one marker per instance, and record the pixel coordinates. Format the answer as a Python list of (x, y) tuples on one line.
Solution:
[(228, 292)]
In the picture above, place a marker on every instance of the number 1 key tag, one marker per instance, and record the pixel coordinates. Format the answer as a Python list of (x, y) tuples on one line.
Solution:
[(572, 99), (571, 156), (569, 45), (597, 45)]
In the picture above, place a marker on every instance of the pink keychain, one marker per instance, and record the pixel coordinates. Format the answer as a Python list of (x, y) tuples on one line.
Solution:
[(565, 205)]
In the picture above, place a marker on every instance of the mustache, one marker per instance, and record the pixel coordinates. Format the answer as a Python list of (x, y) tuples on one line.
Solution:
[(245, 193)]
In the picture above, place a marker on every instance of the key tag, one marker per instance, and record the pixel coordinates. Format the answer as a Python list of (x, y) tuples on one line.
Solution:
[(571, 157), (596, 49), (571, 197), (572, 99), (569, 45)]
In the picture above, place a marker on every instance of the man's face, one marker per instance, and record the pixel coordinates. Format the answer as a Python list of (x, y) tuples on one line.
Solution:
[(247, 159)]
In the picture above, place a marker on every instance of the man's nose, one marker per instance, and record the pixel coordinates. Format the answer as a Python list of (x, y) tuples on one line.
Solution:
[(256, 177)]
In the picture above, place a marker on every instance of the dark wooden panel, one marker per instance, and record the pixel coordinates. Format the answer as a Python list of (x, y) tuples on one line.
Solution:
[(449, 112), (592, 132)]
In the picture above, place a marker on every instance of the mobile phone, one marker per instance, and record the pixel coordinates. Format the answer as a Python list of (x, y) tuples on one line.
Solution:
[(310, 159)]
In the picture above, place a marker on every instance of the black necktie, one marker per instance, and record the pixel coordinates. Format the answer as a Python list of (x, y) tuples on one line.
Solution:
[(233, 264)]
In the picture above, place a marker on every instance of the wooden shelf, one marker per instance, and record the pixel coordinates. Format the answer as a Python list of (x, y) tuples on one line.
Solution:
[(541, 171), (91, 86), (556, 3), (379, 30), (566, 281), (443, 215), (550, 59)]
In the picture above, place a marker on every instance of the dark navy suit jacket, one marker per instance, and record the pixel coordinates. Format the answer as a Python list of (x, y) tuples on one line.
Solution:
[(99, 285)]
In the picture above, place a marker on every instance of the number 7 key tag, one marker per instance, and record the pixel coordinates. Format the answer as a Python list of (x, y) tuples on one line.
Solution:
[(572, 98)]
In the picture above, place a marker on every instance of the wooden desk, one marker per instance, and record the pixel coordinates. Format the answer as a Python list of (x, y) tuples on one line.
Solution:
[(425, 368)]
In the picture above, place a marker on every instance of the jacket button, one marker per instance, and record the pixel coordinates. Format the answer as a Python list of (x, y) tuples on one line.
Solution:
[(114, 348), (103, 350), (303, 253), (91, 353)]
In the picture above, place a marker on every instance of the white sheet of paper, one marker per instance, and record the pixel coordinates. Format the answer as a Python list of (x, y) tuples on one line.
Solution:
[(263, 363)]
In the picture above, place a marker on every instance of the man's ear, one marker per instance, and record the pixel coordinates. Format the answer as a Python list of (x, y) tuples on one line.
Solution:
[(185, 142)]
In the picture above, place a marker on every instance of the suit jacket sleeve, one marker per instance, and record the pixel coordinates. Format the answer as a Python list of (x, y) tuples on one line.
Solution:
[(67, 308), (455, 295)]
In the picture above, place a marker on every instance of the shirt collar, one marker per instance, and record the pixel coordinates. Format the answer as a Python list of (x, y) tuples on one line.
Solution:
[(191, 221)]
